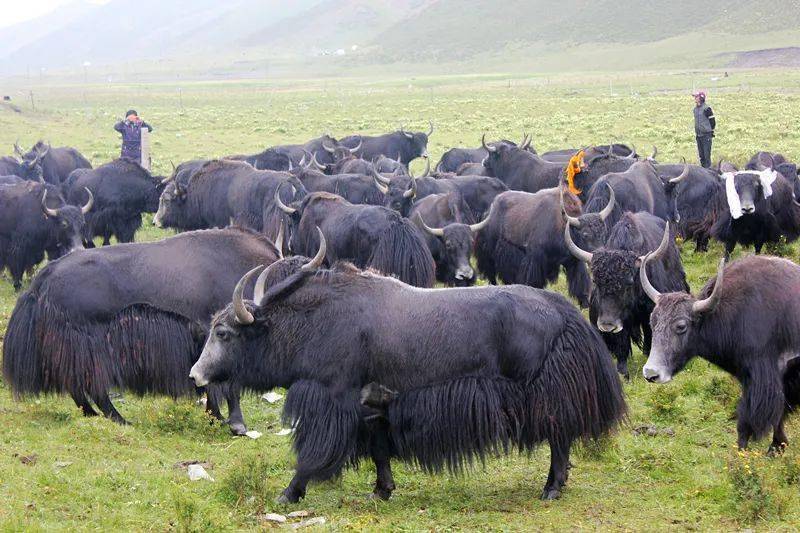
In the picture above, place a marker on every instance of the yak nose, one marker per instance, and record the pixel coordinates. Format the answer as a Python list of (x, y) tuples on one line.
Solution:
[(609, 327), (465, 273), (650, 374), (748, 209)]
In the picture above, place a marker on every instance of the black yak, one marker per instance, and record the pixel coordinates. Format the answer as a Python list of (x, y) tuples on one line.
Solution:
[(523, 240), (746, 321), (470, 373), (296, 152), (618, 307), (131, 316), (455, 158), (520, 169), (225, 192), (637, 189), (760, 208), (24, 169), (697, 196), (449, 231), (355, 188), (371, 236), (56, 163), (269, 159), (406, 145), (122, 190), (34, 219)]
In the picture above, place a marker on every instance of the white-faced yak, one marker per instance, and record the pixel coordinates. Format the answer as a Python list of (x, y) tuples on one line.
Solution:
[(745, 321), (470, 373), (130, 316)]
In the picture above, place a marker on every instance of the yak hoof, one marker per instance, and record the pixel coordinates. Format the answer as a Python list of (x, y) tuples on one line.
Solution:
[(551, 494), (380, 494), (776, 451), (238, 429), (283, 499)]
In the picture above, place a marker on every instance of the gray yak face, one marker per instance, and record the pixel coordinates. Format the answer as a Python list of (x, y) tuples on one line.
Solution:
[(171, 201), (674, 324), (222, 351)]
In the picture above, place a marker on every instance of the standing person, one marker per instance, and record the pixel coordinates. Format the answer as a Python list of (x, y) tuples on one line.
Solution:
[(704, 125), (131, 130)]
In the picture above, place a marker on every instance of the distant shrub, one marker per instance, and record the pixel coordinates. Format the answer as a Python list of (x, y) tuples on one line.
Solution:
[(189, 516), (723, 389), (665, 404), (754, 494), (246, 482)]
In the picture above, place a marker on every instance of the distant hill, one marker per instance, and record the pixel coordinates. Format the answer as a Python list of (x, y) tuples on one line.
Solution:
[(330, 35)]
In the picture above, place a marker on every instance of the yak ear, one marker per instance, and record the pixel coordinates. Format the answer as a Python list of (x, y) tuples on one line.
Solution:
[(284, 288)]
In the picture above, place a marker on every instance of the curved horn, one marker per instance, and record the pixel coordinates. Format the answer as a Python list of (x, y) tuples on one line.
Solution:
[(173, 166), (328, 147), (527, 143), (430, 131), (631, 155), (85, 209), (47, 210), (710, 303), (651, 291), (412, 192), (316, 163), (279, 241), (404, 132), (377, 175), (18, 150), (571, 221), (655, 152), (474, 228), (291, 167), (243, 316), (317, 260), (427, 168), (167, 179), (485, 146), (662, 246), (358, 146), (381, 187), (573, 248), (302, 162), (612, 199), (283, 207), (682, 175), (436, 232), (40, 155)]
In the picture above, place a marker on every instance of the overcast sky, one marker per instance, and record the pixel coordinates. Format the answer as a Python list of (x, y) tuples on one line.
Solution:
[(14, 11)]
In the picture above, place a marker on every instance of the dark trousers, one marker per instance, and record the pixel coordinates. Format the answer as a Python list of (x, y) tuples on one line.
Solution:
[(704, 150)]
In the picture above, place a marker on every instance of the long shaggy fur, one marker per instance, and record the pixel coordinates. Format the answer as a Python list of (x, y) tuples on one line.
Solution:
[(47, 351), (402, 252)]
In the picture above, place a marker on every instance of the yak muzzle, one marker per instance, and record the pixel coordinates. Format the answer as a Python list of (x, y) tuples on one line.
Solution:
[(609, 326), (196, 375), (654, 375)]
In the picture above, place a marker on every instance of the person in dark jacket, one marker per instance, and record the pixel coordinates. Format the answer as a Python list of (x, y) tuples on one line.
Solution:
[(131, 130), (704, 125)]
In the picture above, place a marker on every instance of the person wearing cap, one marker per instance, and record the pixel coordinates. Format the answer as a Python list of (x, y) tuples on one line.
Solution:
[(704, 125), (131, 130)]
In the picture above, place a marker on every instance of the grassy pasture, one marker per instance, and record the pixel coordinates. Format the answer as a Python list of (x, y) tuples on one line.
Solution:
[(687, 476)]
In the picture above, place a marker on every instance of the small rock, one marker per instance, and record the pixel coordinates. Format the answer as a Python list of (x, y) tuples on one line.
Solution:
[(652, 431), (184, 464), (28, 459), (316, 521), (299, 514), (253, 434), (271, 397), (62, 464), (197, 472), (273, 517), (669, 432), (284, 431)]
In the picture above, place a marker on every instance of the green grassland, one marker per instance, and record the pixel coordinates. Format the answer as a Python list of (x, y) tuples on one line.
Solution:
[(687, 476)]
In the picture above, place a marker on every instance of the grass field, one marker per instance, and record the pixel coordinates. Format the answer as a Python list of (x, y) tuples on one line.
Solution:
[(687, 476)]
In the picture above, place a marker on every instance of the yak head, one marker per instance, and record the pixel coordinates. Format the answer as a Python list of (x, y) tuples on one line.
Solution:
[(457, 241), (400, 190), (171, 204), (228, 349), (338, 151), (615, 273), (589, 230), (500, 154), (68, 222), (387, 165), (30, 163), (746, 190), (416, 144), (675, 323)]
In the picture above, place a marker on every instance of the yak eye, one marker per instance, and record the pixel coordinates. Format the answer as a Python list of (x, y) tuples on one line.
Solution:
[(223, 335), (680, 327)]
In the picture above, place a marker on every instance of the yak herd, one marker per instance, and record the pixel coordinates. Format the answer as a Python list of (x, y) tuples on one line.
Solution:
[(376, 362)]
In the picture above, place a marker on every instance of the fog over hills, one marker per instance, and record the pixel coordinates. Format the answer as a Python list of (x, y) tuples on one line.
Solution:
[(208, 34)]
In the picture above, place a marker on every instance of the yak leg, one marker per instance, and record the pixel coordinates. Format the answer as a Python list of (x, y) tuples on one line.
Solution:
[(213, 395), (235, 417), (559, 470), (579, 284), (295, 490), (729, 246), (758, 247), (106, 240), (779, 440), (80, 400), (109, 411), (379, 449)]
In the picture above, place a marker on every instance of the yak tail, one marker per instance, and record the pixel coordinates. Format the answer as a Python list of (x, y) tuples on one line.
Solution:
[(21, 363), (791, 384), (401, 252), (576, 393), (326, 429)]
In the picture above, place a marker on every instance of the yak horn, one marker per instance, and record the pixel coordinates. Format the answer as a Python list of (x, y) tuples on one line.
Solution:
[(427, 172), (474, 228), (651, 291), (291, 167), (710, 303), (412, 192), (328, 148), (631, 155), (573, 248), (279, 240), (527, 142), (378, 177), (662, 246), (655, 152), (317, 260), (302, 162), (607, 210), (489, 149), (283, 207), (47, 210), (436, 232), (243, 316), (572, 221), (316, 163), (683, 174), (381, 187), (358, 146), (18, 150), (404, 132), (430, 131), (85, 209)]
